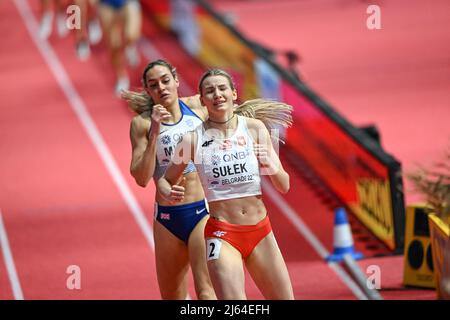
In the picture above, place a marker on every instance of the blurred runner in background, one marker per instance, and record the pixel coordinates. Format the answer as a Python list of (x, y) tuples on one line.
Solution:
[(90, 32), (50, 8), (122, 23)]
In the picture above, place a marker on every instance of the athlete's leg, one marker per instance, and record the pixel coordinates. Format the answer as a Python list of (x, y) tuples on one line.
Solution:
[(133, 21), (112, 22), (93, 24), (197, 257), (61, 16), (268, 269), (172, 263), (226, 272), (110, 19), (81, 35), (132, 31)]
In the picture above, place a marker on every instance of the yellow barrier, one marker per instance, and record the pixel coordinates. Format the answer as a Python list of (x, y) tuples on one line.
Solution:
[(440, 242)]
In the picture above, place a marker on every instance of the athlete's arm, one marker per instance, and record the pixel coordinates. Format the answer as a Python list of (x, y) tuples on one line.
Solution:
[(270, 163), (143, 136), (170, 185)]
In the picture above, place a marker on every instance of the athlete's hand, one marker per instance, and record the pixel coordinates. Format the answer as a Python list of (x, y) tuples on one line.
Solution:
[(177, 191), (262, 154), (160, 114), (265, 160)]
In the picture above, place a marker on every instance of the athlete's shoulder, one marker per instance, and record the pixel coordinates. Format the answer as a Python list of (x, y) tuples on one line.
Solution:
[(144, 116), (194, 103), (254, 123), (141, 121)]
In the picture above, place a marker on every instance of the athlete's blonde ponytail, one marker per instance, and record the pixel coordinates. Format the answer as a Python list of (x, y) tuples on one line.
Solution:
[(139, 102), (272, 113)]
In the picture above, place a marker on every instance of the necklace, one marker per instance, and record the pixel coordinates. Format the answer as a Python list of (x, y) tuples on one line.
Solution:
[(222, 122)]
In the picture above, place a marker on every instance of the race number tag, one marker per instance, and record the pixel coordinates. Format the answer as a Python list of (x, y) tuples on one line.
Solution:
[(213, 247)]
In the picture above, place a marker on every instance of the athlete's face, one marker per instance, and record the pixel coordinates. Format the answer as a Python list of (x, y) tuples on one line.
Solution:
[(217, 94), (162, 86)]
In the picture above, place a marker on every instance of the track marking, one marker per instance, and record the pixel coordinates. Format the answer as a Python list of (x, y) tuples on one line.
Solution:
[(9, 262)]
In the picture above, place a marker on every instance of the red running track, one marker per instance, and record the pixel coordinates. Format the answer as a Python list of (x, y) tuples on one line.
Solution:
[(59, 202)]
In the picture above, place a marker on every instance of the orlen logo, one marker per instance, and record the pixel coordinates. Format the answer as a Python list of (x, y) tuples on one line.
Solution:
[(226, 145)]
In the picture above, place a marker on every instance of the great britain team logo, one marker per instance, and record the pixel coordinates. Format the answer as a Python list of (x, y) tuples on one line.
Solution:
[(164, 216), (166, 139)]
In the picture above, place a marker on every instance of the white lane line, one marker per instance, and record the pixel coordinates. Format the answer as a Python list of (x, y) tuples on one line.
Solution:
[(303, 229), (9, 262), (85, 118)]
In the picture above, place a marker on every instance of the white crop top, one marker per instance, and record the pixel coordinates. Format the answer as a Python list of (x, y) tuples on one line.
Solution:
[(228, 168), (170, 135)]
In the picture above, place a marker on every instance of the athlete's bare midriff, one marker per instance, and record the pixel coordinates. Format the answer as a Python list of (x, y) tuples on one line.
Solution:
[(244, 211), (193, 191)]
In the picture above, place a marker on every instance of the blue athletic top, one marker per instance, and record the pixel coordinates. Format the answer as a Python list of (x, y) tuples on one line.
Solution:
[(168, 138)]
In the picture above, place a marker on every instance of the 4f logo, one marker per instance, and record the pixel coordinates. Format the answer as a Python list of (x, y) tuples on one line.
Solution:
[(219, 233), (207, 143)]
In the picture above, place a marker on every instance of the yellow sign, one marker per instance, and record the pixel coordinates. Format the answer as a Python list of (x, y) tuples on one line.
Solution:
[(373, 208)]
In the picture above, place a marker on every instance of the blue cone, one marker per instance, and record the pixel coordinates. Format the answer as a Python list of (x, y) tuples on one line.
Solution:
[(342, 238)]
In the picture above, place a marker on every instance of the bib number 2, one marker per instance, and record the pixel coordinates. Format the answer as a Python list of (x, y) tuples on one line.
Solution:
[(213, 247)]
